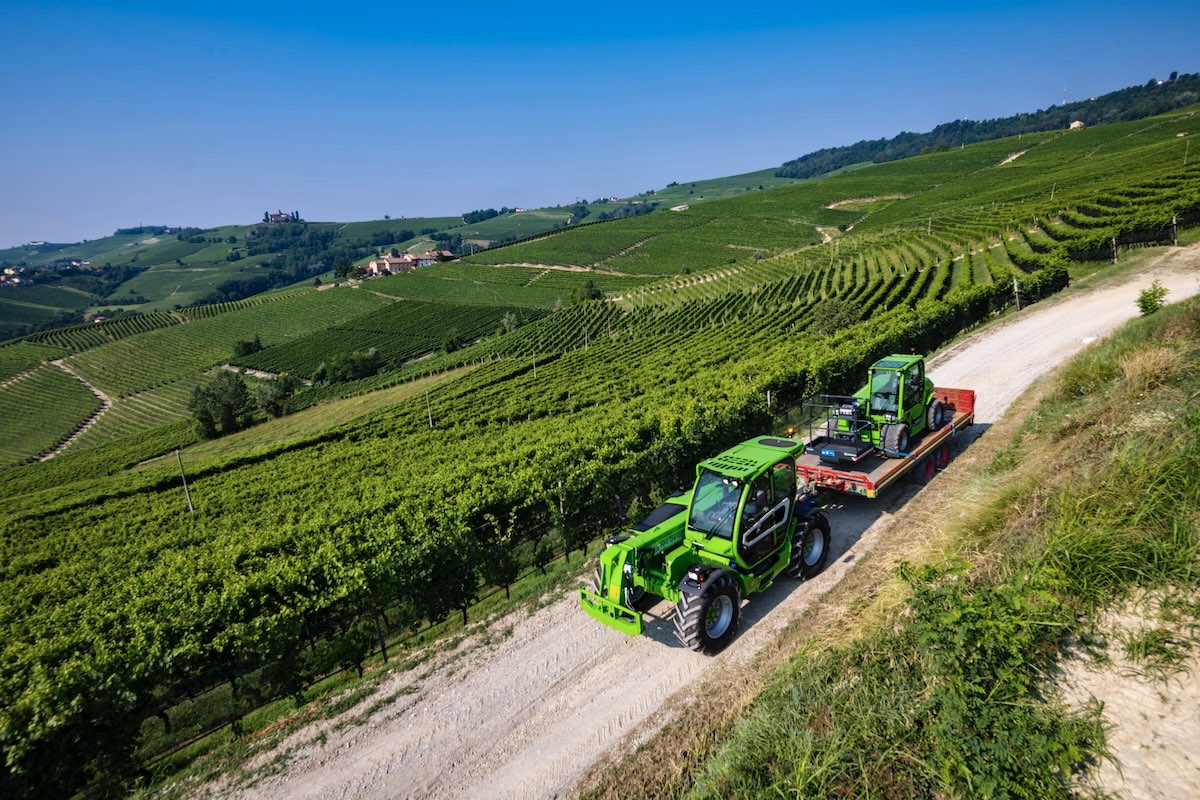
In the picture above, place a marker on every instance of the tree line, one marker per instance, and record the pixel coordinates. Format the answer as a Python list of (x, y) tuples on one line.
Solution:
[(1135, 102)]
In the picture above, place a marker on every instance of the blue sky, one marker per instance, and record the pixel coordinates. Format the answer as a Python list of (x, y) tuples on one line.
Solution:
[(118, 114)]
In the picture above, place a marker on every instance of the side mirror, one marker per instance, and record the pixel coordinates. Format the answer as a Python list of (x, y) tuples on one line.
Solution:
[(760, 499)]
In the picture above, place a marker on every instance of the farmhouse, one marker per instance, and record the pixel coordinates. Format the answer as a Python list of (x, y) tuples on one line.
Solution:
[(406, 262), (280, 216)]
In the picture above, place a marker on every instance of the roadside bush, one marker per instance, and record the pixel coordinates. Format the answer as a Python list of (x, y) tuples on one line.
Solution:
[(1152, 299)]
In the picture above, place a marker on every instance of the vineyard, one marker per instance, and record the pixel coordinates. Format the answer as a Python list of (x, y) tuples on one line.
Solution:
[(472, 284), (138, 363), (41, 408), (399, 332), (302, 554)]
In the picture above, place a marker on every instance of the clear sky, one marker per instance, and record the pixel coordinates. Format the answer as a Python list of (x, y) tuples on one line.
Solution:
[(115, 114)]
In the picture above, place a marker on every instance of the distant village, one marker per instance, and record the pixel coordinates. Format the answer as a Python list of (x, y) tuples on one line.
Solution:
[(22, 274)]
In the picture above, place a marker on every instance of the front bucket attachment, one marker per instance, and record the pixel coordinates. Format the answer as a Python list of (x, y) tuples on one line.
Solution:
[(612, 614)]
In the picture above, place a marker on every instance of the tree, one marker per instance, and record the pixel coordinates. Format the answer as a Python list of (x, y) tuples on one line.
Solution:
[(222, 406), (348, 366), (451, 340), (588, 291), (246, 347), (271, 396), (343, 268)]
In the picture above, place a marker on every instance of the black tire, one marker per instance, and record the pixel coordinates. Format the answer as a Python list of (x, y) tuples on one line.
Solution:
[(923, 473), (810, 547), (708, 623), (894, 439), (935, 415), (942, 457)]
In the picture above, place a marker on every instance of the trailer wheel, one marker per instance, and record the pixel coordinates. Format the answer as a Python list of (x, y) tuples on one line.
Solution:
[(935, 415), (708, 623), (894, 439), (943, 457), (810, 547), (923, 473)]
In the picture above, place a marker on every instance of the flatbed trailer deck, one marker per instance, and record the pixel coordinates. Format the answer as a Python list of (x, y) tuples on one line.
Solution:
[(876, 472)]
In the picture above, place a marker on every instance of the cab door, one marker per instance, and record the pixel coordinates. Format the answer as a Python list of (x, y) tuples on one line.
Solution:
[(914, 391), (767, 513)]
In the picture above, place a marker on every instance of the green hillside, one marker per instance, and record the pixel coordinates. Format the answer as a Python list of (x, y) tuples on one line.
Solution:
[(297, 550)]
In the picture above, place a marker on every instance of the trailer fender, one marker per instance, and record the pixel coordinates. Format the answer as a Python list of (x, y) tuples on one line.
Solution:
[(708, 574)]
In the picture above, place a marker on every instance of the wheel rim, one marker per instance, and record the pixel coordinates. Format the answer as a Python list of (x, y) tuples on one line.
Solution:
[(930, 468), (814, 547), (720, 615), (943, 458)]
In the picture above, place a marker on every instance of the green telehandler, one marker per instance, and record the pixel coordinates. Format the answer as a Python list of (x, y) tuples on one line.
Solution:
[(742, 525), (896, 406)]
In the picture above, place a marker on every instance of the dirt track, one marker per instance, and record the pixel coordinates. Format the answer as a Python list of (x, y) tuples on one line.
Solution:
[(525, 715)]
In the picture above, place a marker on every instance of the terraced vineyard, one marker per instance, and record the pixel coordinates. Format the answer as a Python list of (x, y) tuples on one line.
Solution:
[(399, 332), (163, 356), (140, 412), (20, 356), (41, 408), (472, 284), (278, 577)]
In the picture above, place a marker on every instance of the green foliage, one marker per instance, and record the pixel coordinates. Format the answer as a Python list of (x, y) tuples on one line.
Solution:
[(245, 347), (1151, 299), (993, 733), (589, 291), (222, 406), (271, 396), (348, 366)]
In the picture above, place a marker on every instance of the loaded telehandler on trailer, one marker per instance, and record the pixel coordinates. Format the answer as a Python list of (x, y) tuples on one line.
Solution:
[(898, 423), (752, 513)]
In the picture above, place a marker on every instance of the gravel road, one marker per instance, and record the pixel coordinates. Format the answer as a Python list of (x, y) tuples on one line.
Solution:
[(525, 713)]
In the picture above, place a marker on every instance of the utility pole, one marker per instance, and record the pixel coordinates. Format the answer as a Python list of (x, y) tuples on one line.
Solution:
[(1175, 230), (1052, 188), (428, 409), (929, 227), (1114, 246), (1017, 292), (186, 492)]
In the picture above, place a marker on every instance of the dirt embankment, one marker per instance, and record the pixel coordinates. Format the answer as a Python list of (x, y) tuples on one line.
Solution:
[(524, 713)]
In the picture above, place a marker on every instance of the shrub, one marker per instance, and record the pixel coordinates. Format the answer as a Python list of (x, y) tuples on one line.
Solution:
[(1151, 300)]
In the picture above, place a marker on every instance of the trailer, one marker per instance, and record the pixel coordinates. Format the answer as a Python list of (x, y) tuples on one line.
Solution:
[(836, 459)]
